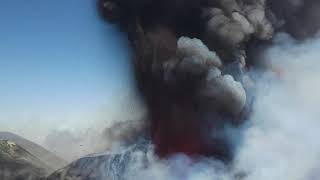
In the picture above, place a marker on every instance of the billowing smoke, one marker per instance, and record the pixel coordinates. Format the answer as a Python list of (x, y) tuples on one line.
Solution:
[(278, 141), (226, 99), (190, 66)]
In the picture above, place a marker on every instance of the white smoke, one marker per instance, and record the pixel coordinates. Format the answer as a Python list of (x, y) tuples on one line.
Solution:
[(181, 167), (281, 142), (76, 139)]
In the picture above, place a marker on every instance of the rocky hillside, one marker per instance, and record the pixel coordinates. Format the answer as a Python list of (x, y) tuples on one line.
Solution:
[(18, 164), (44, 155), (105, 166)]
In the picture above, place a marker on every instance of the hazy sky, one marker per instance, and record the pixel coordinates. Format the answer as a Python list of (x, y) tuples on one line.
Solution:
[(59, 63)]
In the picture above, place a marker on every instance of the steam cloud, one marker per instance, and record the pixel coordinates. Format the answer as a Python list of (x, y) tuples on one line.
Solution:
[(226, 98)]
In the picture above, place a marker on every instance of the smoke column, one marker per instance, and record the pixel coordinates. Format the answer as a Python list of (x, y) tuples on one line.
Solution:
[(228, 95)]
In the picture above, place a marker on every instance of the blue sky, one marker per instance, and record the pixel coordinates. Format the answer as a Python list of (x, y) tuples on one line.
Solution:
[(58, 61)]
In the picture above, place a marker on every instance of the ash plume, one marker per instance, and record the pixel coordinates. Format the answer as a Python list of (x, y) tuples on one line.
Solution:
[(198, 65), (297, 17), (189, 61)]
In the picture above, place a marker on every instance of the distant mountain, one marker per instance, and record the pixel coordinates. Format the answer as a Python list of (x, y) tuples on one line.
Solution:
[(18, 164), (47, 157)]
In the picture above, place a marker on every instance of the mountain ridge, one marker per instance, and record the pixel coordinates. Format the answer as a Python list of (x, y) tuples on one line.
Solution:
[(47, 157), (17, 163)]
